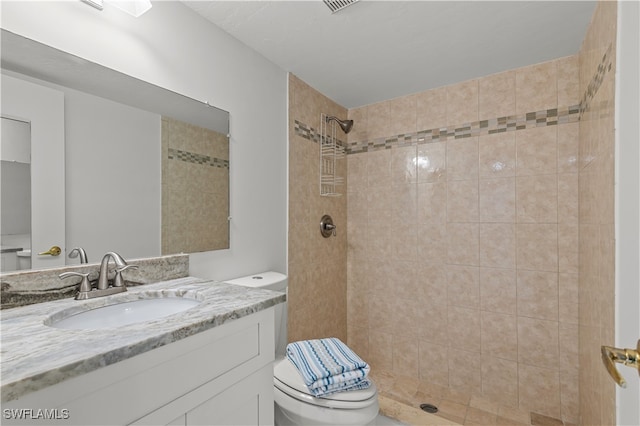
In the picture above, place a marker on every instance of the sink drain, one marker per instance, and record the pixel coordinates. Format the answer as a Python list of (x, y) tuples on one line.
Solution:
[(429, 408)]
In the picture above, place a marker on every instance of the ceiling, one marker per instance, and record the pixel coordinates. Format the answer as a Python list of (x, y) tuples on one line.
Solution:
[(377, 50)]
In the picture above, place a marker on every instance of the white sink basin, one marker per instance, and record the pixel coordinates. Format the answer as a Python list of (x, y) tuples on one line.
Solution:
[(125, 313)]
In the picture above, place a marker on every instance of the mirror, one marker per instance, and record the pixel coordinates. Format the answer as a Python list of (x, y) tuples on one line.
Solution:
[(146, 169)]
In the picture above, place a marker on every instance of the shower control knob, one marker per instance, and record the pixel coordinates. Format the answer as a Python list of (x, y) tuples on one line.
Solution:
[(327, 228)]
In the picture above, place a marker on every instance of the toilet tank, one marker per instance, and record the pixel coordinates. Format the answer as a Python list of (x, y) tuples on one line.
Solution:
[(277, 282)]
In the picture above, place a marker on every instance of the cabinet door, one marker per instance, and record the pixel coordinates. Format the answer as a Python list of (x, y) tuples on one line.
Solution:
[(248, 402)]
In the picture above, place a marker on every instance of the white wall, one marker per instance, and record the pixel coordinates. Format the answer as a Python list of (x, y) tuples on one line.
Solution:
[(628, 204), (113, 175), (172, 47)]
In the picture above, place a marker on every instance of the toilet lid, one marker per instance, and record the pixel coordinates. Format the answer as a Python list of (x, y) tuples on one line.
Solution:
[(288, 379)]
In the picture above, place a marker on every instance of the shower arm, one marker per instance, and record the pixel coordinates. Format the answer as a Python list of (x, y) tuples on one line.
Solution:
[(345, 125)]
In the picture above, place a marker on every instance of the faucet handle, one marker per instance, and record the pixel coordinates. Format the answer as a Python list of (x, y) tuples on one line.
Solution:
[(118, 281), (85, 285)]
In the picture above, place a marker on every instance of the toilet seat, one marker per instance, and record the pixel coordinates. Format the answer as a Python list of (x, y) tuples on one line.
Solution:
[(287, 379)]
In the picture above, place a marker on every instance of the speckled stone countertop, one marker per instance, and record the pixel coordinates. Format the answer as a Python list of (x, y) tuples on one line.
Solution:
[(35, 355)]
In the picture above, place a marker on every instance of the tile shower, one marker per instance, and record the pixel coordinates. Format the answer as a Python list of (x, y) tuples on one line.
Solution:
[(462, 215)]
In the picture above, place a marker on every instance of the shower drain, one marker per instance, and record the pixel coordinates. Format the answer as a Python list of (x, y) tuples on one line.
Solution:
[(429, 408)]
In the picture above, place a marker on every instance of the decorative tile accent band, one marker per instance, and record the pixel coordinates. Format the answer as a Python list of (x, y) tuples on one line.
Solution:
[(190, 157), (549, 117), (312, 134), (596, 81)]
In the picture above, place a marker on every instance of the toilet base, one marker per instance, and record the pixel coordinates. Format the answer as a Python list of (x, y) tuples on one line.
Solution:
[(290, 412)]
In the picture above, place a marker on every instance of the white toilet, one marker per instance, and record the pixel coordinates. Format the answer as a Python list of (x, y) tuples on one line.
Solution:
[(294, 404)]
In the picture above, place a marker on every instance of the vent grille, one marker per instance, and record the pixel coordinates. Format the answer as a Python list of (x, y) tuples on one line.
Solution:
[(337, 5)]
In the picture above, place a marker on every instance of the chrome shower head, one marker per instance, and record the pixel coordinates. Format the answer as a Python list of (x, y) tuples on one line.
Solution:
[(345, 125)]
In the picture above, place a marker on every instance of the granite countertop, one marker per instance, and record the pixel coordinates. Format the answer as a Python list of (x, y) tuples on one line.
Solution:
[(34, 355)]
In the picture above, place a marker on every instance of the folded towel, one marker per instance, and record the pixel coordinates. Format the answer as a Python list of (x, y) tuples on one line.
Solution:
[(328, 366)]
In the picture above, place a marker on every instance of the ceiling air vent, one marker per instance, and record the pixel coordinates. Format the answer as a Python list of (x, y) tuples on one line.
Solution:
[(337, 5)]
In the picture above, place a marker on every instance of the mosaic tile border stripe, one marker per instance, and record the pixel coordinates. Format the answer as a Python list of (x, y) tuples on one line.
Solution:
[(549, 117), (543, 118), (603, 68), (312, 134), (190, 157)]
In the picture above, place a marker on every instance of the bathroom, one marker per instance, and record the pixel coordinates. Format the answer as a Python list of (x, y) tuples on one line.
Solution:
[(270, 160)]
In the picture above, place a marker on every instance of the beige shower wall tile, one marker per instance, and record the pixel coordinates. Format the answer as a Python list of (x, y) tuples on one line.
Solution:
[(538, 294), (462, 159), (379, 120), (432, 162), (536, 87), (433, 323), (434, 363), (407, 290), (539, 390), (378, 238), (568, 242), (568, 198), (357, 212), (464, 328), (462, 201), (498, 200), (500, 382), (359, 131), (537, 199), (356, 172), (465, 370), (537, 247), (498, 245), (358, 309), (568, 298), (381, 312), (568, 80), (538, 343), (431, 109), (497, 155), (379, 168), (404, 243), (462, 103), (498, 290), (463, 244), (569, 349), (537, 151), (405, 356), (404, 204), (463, 286), (499, 335), (568, 146), (380, 207), (432, 243), (358, 340), (432, 283), (432, 203), (570, 398), (497, 95), (380, 350), (404, 113), (404, 165)]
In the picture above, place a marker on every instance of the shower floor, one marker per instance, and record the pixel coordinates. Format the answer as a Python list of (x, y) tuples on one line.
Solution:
[(397, 402)]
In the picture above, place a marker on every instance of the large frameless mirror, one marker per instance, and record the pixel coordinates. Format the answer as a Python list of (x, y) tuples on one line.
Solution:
[(146, 169)]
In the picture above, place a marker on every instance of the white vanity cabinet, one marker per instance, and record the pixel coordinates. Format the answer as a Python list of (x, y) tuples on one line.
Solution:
[(221, 376)]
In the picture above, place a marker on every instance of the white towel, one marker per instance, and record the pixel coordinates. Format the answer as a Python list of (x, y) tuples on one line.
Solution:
[(328, 366)]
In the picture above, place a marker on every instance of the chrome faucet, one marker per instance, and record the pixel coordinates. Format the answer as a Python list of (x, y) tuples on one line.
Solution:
[(103, 278), (86, 287), (79, 251)]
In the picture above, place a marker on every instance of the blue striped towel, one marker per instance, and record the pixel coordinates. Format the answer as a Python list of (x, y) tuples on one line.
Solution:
[(328, 366)]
